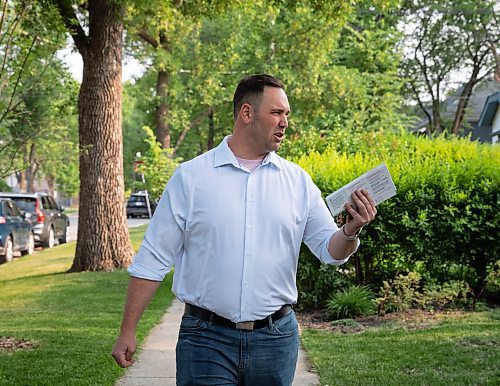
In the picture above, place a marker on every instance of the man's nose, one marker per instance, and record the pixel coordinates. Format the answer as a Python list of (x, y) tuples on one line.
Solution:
[(284, 122)]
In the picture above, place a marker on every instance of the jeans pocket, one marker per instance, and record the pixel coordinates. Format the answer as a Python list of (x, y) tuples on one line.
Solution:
[(191, 323), (287, 325)]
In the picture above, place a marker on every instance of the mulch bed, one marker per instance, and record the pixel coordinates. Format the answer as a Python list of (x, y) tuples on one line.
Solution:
[(410, 320), (9, 343)]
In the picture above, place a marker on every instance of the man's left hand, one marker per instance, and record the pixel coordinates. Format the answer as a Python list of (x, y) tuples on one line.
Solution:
[(366, 211)]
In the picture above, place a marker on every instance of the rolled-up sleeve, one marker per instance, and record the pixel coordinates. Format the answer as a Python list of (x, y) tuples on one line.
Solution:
[(164, 238), (320, 227)]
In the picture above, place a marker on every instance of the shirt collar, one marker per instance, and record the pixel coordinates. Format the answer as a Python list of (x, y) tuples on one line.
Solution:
[(224, 156)]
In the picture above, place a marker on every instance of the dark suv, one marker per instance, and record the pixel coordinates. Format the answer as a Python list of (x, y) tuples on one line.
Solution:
[(49, 221), (137, 205)]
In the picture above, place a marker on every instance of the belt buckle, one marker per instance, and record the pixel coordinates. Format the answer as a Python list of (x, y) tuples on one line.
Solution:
[(244, 326)]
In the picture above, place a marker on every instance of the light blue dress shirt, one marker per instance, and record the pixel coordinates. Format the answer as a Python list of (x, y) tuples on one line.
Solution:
[(234, 236)]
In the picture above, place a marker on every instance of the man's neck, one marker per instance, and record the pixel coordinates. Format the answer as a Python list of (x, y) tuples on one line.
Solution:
[(241, 151)]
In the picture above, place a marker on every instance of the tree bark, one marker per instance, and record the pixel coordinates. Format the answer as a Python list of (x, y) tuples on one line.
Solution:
[(103, 239), (211, 129), (32, 168), (162, 83), (161, 113), (436, 121), (467, 91), (462, 105)]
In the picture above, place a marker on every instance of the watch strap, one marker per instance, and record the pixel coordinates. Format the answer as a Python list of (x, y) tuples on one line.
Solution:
[(350, 237)]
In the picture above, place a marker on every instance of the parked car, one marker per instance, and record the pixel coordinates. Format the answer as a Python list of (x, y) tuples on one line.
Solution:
[(16, 232), (49, 221), (137, 205)]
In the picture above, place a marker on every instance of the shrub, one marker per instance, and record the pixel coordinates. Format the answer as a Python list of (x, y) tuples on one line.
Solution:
[(444, 219), (318, 281), (400, 294), (157, 167), (452, 294), (351, 302), (407, 291)]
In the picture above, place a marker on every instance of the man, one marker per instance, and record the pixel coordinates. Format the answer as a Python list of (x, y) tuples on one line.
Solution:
[(231, 221)]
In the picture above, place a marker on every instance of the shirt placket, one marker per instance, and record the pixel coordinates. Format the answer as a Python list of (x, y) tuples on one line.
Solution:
[(248, 247)]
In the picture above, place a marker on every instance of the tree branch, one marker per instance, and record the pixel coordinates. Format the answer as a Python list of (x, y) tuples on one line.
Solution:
[(73, 25), (196, 122), (144, 35), (8, 109), (420, 103), (4, 13), (10, 33)]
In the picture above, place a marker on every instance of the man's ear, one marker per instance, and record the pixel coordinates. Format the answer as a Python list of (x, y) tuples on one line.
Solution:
[(246, 113)]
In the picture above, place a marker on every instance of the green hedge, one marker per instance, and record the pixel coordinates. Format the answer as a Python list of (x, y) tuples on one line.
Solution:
[(443, 223)]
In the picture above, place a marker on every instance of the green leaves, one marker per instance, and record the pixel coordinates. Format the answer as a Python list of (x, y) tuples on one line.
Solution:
[(351, 302), (157, 166), (444, 213)]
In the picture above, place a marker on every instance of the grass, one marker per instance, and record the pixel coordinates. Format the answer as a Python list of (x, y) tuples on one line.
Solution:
[(70, 210), (72, 318), (459, 350)]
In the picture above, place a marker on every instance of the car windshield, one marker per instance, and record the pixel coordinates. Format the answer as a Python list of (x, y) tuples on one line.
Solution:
[(25, 204), (133, 199)]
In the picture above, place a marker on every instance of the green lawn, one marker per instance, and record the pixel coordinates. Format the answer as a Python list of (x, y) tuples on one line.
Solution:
[(72, 318), (459, 350)]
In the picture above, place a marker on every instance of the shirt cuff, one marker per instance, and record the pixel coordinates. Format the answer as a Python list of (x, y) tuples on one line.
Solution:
[(147, 266), (329, 259)]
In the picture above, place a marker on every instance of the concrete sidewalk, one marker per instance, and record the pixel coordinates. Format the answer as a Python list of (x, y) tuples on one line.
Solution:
[(155, 363)]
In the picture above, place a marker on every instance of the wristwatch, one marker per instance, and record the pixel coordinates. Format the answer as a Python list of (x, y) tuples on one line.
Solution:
[(350, 237)]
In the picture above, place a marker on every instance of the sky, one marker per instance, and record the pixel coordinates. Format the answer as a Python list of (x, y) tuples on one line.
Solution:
[(131, 67)]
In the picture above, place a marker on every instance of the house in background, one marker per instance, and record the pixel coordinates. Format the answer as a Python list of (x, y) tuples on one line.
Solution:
[(489, 121), (474, 112)]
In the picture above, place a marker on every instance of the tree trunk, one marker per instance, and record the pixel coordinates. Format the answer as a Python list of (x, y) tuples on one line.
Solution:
[(103, 239), (21, 179), (358, 268), (21, 176), (466, 93), (32, 169), (161, 114), (462, 105), (51, 184), (211, 129), (436, 121)]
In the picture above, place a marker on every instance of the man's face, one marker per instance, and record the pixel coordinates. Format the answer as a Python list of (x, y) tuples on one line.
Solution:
[(270, 120)]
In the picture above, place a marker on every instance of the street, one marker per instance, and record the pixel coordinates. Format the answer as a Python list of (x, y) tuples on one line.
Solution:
[(73, 228)]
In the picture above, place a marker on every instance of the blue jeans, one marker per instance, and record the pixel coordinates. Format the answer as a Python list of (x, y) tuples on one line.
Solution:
[(208, 354)]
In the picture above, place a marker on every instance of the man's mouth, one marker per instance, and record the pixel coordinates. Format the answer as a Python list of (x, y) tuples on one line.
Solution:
[(278, 137)]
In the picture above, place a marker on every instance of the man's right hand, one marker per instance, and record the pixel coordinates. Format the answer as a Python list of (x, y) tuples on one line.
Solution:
[(124, 350), (140, 292)]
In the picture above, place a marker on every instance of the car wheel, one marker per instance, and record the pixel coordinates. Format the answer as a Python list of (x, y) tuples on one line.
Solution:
[(49, 242), (9, 250), (31, 245), (65, 238)]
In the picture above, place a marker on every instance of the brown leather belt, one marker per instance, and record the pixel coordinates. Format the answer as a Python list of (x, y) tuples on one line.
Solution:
[(209, 316)]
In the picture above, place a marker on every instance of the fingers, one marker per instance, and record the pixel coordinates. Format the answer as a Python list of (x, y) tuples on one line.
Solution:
[(123, 353), (129, 356), (367, 209), (365, 204)]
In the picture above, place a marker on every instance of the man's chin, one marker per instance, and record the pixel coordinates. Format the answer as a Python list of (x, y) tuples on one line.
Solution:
[(275, 146)]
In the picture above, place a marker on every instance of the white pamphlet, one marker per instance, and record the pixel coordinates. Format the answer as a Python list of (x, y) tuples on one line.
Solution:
[(378, 182)]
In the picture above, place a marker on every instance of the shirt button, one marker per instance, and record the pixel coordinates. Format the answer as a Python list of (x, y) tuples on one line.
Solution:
[(249, 227)]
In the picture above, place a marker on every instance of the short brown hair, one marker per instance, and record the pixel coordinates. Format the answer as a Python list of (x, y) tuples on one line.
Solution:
[(250, 89)]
